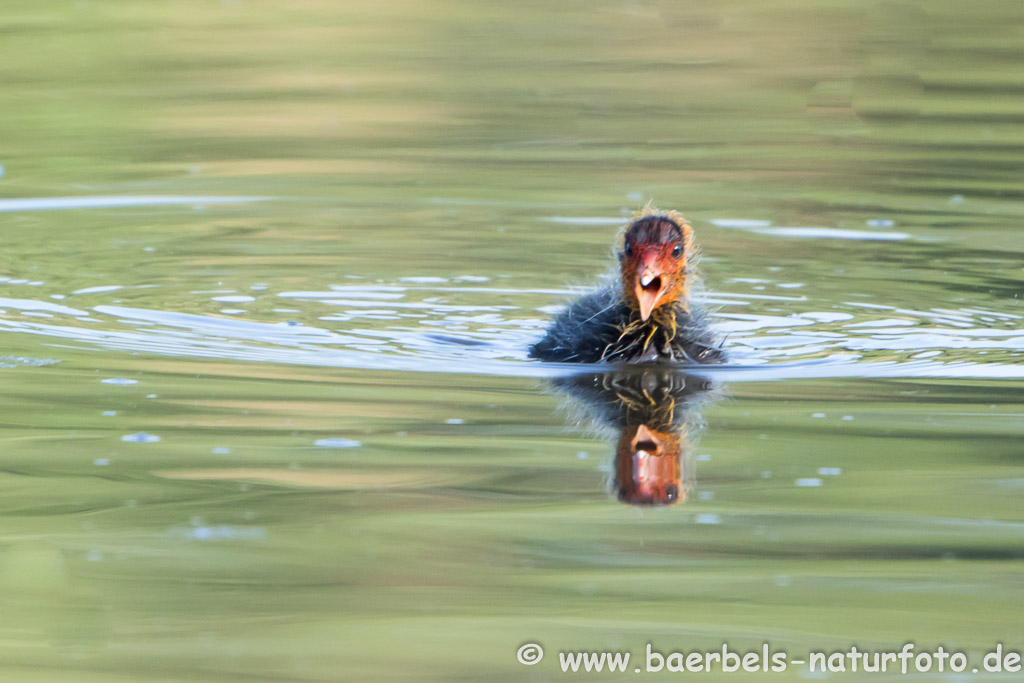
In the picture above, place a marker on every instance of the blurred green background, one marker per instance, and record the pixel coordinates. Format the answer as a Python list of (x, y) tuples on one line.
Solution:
[(486, 151)]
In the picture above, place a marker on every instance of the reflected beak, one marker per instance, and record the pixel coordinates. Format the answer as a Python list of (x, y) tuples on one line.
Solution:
[(650, 285), (645, 442), (648, 467)]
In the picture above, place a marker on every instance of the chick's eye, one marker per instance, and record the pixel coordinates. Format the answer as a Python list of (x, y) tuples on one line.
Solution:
[(628, 251), (677, 251)]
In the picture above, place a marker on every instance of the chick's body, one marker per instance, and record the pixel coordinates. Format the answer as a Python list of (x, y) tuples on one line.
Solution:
[(648, 315)]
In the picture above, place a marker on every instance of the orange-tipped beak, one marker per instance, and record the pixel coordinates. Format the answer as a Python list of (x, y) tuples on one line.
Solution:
[(650, 285), (648, 468), (646, 442)]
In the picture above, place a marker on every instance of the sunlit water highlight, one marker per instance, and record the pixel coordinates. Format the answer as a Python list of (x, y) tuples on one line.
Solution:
[(425, 332)]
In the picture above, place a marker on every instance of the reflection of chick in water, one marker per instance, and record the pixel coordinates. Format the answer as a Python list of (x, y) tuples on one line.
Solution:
[(653, 410), (649, 466)]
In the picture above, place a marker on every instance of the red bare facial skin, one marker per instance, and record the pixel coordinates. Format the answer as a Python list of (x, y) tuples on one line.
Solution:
[(653, 263), (657, 277), (648, 466)]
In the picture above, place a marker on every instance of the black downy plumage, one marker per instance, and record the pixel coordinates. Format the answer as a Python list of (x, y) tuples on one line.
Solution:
[(609, 325)]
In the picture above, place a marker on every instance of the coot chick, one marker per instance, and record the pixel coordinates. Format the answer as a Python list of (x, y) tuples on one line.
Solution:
[(648, 315)]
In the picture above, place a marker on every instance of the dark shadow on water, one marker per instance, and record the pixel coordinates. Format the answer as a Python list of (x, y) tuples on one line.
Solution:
[(653, 414)]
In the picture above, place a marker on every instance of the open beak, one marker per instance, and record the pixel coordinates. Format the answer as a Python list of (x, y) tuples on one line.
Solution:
[(648, 468), (650, 285), (645, 442)]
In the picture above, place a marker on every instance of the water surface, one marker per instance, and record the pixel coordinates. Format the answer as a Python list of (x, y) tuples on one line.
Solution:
[(269, 275)]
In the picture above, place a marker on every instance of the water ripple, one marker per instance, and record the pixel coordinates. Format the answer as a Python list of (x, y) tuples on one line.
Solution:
[(107, 202), (486, 330)]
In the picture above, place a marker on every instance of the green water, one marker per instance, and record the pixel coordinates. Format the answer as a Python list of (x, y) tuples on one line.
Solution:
[(324, 455)]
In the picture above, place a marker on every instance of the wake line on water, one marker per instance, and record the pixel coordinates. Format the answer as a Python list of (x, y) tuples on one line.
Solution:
[(116, 201), (206, 337)]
